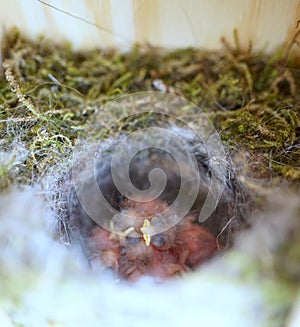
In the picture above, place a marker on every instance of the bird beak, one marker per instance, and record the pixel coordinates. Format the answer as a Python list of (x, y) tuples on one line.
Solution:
[(145, 230)]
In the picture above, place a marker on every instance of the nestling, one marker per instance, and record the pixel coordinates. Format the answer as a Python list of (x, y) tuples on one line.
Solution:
[(173, 252), (142, 234)]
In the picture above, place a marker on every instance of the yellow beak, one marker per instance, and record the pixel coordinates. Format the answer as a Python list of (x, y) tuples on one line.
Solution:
[(145, 230)]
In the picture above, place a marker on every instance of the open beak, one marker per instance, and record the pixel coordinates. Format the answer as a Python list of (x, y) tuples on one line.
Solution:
[(146, 231)]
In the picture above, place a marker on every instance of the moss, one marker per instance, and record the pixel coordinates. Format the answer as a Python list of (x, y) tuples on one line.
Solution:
[(4, 174), (48, 91)]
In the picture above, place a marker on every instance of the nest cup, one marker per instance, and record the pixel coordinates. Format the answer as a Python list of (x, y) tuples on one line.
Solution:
[(203, 155)]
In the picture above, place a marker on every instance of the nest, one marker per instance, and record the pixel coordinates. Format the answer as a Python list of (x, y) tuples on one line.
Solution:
[(200, 179), (232, 212), (48, 102), (48, 92)]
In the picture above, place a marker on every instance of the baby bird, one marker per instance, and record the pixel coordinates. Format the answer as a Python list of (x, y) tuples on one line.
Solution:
[(135, 252), (140, 236)]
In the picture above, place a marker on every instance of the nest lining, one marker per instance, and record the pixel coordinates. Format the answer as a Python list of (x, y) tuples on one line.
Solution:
[(49, 91)]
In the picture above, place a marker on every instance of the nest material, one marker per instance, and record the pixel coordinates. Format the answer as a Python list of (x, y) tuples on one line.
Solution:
[(49, 91), (85, 209), (231, 214)]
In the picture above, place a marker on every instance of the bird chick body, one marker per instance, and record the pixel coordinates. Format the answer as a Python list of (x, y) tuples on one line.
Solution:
[(179, 249)]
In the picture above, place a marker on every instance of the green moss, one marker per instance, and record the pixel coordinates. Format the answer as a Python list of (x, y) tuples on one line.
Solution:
[(49, 92), (5, 174)]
